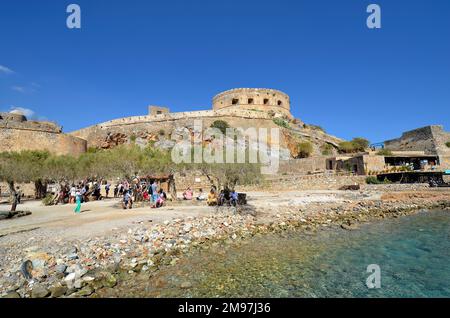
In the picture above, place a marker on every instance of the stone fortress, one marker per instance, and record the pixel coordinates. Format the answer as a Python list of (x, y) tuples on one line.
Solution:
[(17, 133), (242, 107), (254, 99)]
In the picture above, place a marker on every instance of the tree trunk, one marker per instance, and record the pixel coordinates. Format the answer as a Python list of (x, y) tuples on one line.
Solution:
[(13, 196), (40, 189), (172, 189)]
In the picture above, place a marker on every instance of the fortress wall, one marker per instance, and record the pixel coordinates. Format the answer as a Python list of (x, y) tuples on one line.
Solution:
[(12, 139), (148, 128), (167, 117), (415, 140), (31, 125)]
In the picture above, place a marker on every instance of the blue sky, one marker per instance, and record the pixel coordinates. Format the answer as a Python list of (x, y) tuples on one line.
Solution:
[(128, 54)]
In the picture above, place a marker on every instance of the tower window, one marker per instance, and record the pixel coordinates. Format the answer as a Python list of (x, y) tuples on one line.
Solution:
[(266, 101), (280, 103), (235, 101), (250, 101)]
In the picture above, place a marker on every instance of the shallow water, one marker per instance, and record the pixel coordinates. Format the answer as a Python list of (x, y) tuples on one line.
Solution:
[(413, 253)]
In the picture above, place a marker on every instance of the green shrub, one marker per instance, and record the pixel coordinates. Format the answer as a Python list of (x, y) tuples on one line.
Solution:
[(447, 144), (374, 180), (360, 144), (304, 149), (355, 145), (384, 152), (47, 200), (281, 122), (346, 147), (221, 125)]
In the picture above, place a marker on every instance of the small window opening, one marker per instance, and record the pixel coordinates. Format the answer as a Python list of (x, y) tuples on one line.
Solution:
[(266, 101), (280, 103), (250, 100), (235, 101)]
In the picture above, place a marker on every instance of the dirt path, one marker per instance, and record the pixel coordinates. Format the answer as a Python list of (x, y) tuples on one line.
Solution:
[(97, 218), (101, 217)]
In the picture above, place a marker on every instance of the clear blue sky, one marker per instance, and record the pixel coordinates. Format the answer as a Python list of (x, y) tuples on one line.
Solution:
[(351, 80)]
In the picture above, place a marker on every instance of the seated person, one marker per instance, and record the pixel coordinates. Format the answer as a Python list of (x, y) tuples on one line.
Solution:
[(201, 196), (224, 196), (127, 200), (188, 194), (161, 198), (145, 196), (212, 198)]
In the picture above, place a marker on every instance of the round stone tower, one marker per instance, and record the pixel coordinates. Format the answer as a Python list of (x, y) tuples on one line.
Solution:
[(260, 99)]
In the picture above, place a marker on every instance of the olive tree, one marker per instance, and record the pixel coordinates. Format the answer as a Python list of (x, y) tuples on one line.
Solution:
[(17, 167)]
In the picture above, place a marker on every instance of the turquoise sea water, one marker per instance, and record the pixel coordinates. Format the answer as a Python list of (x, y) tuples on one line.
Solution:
[(413, 253)]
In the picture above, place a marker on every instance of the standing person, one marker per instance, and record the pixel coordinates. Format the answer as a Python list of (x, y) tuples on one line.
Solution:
[(154, 188), (233, 197), (83, 191), (107, 187), (116, 190), (78, 201), (73, 193), (126, 186)]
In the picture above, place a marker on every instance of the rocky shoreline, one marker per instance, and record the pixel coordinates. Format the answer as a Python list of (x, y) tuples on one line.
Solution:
[(84, 268)]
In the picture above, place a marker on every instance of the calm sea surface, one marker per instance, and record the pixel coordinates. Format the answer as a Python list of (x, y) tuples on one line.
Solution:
[(412, 252)]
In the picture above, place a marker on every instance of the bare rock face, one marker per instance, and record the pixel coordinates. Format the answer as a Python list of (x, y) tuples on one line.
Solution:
[(291, 144), (114, 139)]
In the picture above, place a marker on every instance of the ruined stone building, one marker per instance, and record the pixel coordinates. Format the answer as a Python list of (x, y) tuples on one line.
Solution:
[(422, 149), (432, 140), (17, 133)]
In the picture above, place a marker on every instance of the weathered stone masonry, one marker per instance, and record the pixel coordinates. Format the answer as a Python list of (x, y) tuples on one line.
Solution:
[(17, 133)]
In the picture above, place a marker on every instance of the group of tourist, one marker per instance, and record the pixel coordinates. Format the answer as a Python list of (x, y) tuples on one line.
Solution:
[(80, 193), (140, 191), (130, 192), (225, 196)]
